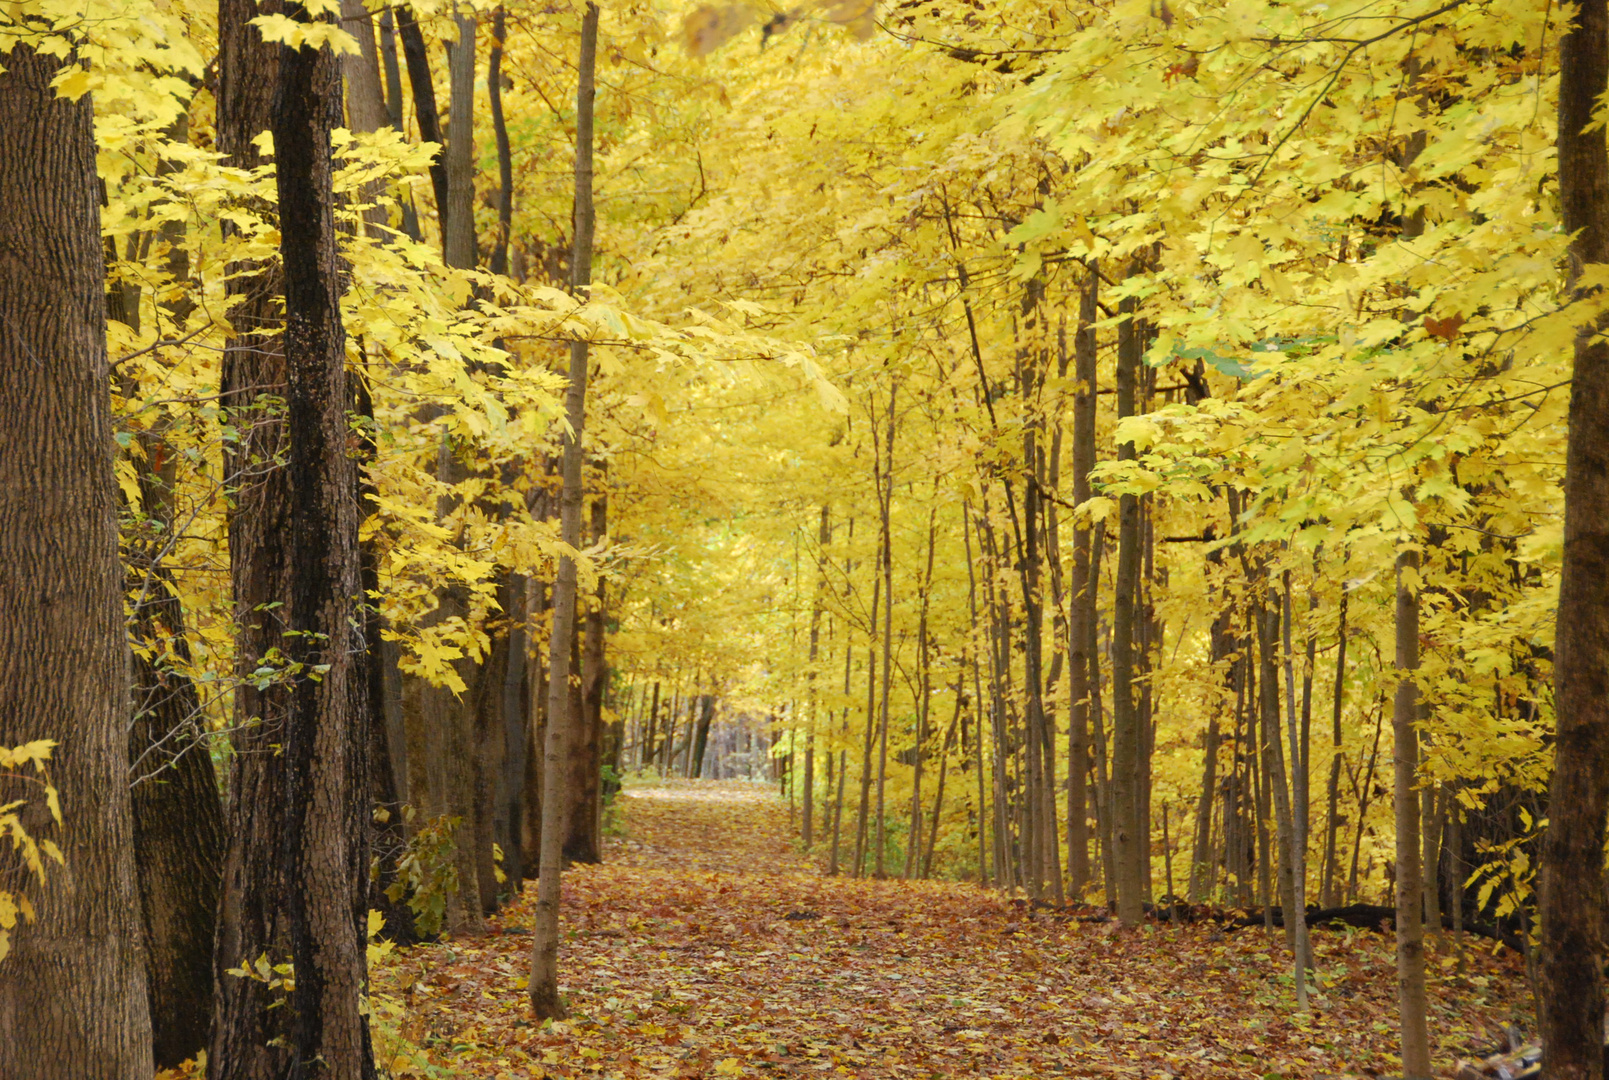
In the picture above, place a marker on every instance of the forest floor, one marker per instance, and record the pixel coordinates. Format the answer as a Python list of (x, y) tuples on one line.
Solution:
[(707, 946)]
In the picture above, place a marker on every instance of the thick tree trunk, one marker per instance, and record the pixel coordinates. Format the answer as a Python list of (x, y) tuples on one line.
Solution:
[(73, 990), (178, 818), (1572, 889), (178, 830), (544, 979), (365, 99), (296, 872), (458, 245)]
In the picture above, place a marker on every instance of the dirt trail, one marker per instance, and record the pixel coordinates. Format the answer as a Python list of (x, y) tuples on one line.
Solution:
[(706, 946)]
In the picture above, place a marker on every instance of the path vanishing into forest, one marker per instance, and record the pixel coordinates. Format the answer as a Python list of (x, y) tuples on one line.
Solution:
[(707, 946)]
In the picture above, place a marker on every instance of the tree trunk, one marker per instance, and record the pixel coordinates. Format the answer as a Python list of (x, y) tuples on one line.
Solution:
[(1081, 589), (544, 979), (1411, 1002), (585, 841), (1572, 888), (1129, 834), (73, 990), (424, 104), (823, 538), (178, 818), (505, 157), (886, 498), (458, 246), (296, 872), (365, 100), (1332, 822)]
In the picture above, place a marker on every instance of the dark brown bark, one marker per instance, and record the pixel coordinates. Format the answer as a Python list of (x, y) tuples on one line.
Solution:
[(1572, 888), (1081, 590), (72, 991), (458, 245), (1129, 828), (178, 818), (505, 157), (700, 735), (417, 61), (296, 870)]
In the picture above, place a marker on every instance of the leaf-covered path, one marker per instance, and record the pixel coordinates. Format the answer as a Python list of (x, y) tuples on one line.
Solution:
[(706, 946)]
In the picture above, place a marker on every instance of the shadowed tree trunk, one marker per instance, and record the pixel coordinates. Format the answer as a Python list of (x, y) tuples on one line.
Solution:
[(178, 818), (1572, 893), (72, 991), (295, 876), (417, 61)]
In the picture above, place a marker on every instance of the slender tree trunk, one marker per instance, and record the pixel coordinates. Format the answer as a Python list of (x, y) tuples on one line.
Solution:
[(886, 498), (1129, 832), (544, 978), (1081, 615), (1411, 1001), (295, 879), (73, 988), (913, 847), (424, 104), (824, 536), (944, 770), (977, 686), (1332, 820), (583, 841), (391, 69), (505, 156), (863, 816), (1201, 858)]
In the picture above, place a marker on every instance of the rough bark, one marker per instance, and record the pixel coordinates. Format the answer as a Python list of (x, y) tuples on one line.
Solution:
[(72, 991), (296, 870), (1572, 889), (178, 818)]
